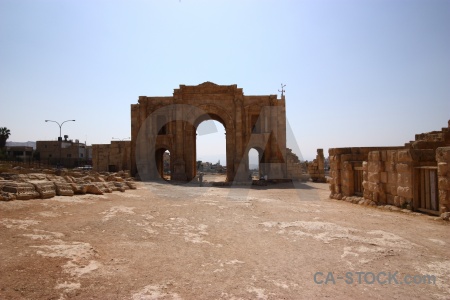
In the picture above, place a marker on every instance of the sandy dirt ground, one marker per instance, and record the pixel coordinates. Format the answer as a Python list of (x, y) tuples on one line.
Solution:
[(165, 241)]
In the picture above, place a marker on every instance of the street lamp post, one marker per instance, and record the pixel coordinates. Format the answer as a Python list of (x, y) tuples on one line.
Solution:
[(60, 138)]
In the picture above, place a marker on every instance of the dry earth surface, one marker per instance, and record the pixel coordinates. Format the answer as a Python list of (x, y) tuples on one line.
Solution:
[(165, 241)]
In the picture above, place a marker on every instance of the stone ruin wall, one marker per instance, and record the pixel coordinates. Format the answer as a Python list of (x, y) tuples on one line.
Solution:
[(443, 160), (343, 163), (316, 169), (389, 173), (294, 166), (117, 154)]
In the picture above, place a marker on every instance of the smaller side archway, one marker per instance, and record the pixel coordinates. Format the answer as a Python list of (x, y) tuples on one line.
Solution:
[(255, 163), (164, 164)]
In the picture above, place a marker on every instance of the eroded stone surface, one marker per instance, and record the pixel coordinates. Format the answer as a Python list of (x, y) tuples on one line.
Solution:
[(46, 189), (63, 189), (21, 190), (413, 177)]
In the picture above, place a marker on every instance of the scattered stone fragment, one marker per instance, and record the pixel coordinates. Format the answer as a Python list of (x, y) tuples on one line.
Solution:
[(78, 189), (4, 196), (131, 184), (21, 190), (91, 188), (445, 216), (46, 189), (63, 189)]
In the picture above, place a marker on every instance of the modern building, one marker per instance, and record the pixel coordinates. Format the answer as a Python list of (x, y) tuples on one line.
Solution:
[(67, 153), (22, 153)]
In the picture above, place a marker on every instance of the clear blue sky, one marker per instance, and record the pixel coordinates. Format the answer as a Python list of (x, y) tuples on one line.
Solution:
[(357, 73)]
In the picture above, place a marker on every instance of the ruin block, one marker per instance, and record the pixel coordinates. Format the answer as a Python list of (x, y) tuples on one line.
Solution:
[(403, 167), (374, 176), (5, 196), (443, 183), (374, 166), (21, 190), (442, 169), (392, 178), (404, 191), (78, 189), (404, 156), (46, 189), (92, 188), (404, 179), (63, 189)]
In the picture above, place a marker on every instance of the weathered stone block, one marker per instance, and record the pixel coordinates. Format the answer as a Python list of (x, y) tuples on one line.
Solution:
[(374, 166), (79, 189), (366, 175), (392, 178), (391, 189), (123, 185), (404, 179), (404, 191), (21, 190), (443, 183), (442, 169), (404, 156), (383, 177), (365, 184), (46, 189), (374, 187), (443, 154), (374, 156), (68, 179), (4, 196), (99, 178), (389, 166), (383, 155), (63, 189), (376, 197), (4, 182), (346, 157), (36, 176), (445, 216), (93, 189), (347, 166), (103, 186), (111, 186), (444, 196), (391, 155), (390, 199), (374, 177), (403, 168)]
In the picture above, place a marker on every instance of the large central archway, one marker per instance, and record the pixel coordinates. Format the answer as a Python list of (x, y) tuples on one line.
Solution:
[(213, 112), (171, 123), (210, 150)]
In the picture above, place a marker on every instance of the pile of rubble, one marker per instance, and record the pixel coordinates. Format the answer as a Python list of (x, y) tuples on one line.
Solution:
[(48, 185)]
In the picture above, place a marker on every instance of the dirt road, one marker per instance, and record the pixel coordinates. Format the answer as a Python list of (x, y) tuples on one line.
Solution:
[(186, 242)]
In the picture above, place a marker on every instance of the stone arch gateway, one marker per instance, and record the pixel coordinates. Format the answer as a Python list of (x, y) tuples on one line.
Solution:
[(171, 122)]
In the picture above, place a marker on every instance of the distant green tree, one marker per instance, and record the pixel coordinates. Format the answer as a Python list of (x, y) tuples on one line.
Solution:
[(4, 135)]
